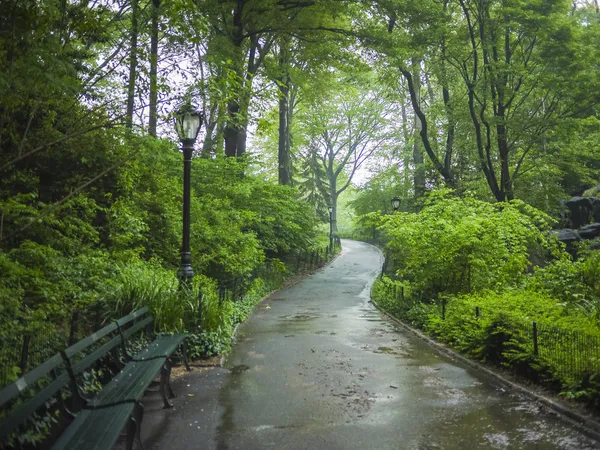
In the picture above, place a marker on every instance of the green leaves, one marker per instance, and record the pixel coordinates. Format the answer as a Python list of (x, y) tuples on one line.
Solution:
[(456, 245)]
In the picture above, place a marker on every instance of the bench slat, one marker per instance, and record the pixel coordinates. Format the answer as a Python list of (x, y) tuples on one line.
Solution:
[(162, 346), (129, 384), (96, 429), (90, 359), (137, 327), (23, 412), (132, 316), (92, 339), (14, 389)]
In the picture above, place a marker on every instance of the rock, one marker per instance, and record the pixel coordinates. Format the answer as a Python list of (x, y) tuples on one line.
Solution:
[(590, 231), (567, 235), (595, 209), (580, 209)]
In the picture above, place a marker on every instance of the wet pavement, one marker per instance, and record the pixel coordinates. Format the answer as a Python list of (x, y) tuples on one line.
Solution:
[(318, 367)]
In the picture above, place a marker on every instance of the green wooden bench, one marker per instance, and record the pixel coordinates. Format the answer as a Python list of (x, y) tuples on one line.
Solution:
[(100, 420)]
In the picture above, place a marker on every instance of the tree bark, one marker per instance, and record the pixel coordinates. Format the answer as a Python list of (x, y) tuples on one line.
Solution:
[(284, 144), (406, 135), (284, 157), (415, 93), (132, 65), (153, 104), (333, 194)]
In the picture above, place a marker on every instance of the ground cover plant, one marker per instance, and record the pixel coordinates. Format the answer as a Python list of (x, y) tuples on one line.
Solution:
[(465, 271)]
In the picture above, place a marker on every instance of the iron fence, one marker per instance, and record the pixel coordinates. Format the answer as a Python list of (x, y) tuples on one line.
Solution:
[(236, 289), (570, 357), (27, 345)]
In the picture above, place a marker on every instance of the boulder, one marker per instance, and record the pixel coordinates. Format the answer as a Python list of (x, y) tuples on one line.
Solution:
[(590, 231), (595, 209), (580, 209), (567, 235)]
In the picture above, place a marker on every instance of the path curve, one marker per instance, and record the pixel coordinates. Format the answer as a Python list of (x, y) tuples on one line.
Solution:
[(318, 367)]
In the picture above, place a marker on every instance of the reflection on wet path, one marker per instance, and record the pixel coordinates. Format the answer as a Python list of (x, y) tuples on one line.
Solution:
[(318, 367)]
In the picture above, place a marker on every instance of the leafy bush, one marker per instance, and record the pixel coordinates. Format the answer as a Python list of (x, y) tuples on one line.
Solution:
[(462, 245), (498, 328)]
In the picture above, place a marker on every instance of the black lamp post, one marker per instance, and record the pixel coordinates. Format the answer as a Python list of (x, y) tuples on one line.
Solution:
[(395, 203), (331, 228), (187, 124)]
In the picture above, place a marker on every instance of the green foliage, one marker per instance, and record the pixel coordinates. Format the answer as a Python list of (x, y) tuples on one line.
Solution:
[(576, 283), (487, 311), (461, 245), (497, 328)]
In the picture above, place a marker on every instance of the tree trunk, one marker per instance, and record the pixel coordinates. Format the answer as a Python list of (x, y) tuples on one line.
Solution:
[(153, 106), (132, 65), (233, 132), (406, 135), (283, 153), (419, 175), (333, 198), (284, 157)]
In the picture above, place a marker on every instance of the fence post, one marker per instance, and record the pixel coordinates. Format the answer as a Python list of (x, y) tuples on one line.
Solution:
[(74, 326), (298, 262), (98, 317), (200, 305), (536, 350), (24, 353), (477, 312), (444, 309)]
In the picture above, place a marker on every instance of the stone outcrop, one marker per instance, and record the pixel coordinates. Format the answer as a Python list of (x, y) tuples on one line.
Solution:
[(583, 219)]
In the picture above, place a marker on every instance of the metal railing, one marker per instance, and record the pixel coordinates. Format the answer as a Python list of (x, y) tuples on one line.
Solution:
[(29, 345), (561, 354), (26, 346), (298, 262)]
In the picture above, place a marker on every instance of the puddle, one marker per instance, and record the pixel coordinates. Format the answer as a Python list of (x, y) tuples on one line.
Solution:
[(300, 317), (236, 370)]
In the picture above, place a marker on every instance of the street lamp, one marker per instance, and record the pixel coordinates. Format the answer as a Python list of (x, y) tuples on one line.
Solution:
[(330, 228), (187, 124), (395, 203)]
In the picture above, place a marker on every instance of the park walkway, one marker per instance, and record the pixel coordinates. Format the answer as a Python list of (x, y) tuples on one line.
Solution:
[(317, 367)]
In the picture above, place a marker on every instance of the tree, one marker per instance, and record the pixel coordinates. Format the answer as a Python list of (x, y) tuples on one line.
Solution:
[(517, 72), (344, 131), (153, 105)]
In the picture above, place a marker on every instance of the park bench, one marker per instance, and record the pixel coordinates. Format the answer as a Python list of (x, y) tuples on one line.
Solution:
[(99, 420)]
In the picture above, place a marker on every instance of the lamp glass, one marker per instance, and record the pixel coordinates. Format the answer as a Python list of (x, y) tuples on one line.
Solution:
[(330, 209), (395, 203), (187, 123)]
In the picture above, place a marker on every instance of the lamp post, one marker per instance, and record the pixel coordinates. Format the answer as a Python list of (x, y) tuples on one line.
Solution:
[(395, 206), (330, 229), (187, 124)]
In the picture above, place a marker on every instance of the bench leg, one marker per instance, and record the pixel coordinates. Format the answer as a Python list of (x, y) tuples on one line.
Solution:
[(169, 388), (138, 415), (185, 356), (131, 430), (164, 381)]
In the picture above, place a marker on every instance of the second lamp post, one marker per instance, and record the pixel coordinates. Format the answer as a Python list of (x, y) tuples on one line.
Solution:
[(188, 121), (331, 229)]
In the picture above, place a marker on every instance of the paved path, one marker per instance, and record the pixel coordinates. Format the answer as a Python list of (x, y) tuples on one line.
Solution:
[(317, 367)]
